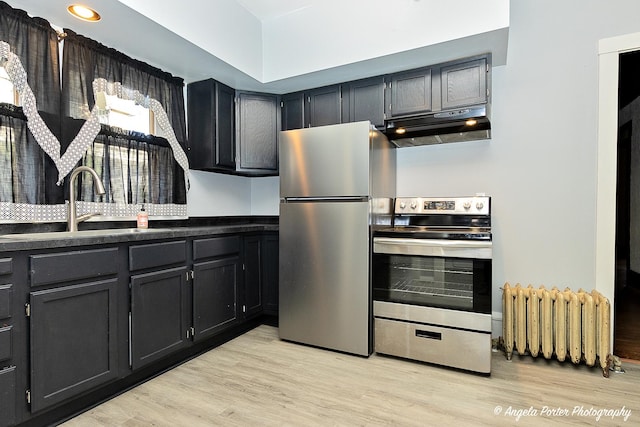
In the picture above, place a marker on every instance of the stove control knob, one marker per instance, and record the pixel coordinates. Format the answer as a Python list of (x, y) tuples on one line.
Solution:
[(467, 205), (479, 206), (414, 205), (403, 205)]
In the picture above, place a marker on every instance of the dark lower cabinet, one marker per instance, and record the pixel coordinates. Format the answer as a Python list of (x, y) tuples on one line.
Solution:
[(252, 301), (78, 325), (159, 314), (261, 275), (215, 291), (270, 283), (7, 353), (74, 340), (8, 396)]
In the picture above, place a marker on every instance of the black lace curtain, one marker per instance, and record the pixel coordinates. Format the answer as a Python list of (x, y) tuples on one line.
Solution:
[(28, 175)]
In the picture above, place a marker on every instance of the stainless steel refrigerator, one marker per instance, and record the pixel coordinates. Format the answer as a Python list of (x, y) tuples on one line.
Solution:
[(336, 183)]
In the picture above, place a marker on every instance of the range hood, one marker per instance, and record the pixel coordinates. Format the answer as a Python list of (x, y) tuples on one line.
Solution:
[(459, 125)]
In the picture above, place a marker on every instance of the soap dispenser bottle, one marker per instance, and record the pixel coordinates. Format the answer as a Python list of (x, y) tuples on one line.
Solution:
[(143, 218)]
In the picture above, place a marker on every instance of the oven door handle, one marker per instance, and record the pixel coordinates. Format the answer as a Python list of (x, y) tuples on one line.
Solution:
[(433, 247)]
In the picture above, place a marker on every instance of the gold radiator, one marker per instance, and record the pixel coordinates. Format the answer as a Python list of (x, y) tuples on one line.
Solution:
[(553, 322)]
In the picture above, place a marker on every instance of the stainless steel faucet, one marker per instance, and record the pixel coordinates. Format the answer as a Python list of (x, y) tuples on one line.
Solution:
[(72, 216)]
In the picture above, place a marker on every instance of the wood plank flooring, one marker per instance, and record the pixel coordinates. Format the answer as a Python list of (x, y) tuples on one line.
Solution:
[(259, 380)]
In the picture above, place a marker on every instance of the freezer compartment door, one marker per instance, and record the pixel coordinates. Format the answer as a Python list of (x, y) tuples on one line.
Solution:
[(325, 297), (325, 161)]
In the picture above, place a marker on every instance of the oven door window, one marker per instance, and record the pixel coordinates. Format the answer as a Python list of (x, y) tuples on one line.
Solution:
[(455, 283)]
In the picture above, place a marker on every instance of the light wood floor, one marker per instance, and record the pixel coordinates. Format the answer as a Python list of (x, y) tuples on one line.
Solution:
[(258, 380)]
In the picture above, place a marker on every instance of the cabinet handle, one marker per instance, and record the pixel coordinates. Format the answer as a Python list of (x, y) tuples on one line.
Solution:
[(428, 334)]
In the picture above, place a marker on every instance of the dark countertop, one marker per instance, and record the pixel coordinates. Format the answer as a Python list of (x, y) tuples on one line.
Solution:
[(57, 239)]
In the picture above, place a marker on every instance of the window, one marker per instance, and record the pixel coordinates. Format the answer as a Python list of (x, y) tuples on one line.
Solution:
[(125, 114), (7, 93)]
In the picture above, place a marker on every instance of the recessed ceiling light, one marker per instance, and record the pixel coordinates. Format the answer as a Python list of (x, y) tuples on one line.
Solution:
[(471, 122), (83, 12), (400, 131)]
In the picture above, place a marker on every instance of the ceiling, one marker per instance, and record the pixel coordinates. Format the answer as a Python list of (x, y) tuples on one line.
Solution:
[(268, 9), (171, 38)]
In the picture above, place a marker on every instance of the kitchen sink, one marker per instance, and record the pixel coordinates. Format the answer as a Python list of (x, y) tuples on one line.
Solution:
[(55, 235)]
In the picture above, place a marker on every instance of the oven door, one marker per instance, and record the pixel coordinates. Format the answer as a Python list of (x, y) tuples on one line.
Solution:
[(453, 274)]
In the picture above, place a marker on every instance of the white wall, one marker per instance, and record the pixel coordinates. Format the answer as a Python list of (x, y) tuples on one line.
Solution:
[(216, 194), (222, 27), (540, 165), (361, 30), (265, 195)]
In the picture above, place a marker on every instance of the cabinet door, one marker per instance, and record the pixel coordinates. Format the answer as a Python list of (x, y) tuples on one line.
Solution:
[(323, 106), (364, 100), (201, 108), (252, 303), (8, 396), (410, 93), (269, 252), (257, 127), (211, 111), (159, 314), (225, 134), (215, 290), (292, 113), (73, 340), (464, 83)]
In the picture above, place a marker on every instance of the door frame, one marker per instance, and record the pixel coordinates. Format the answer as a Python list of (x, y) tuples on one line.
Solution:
[(609, 51)]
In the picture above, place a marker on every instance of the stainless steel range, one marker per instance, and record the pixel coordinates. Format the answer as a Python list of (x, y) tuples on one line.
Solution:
[(432, 282)]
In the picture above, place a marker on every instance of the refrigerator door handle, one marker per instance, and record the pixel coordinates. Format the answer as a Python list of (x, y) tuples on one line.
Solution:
[(325, 199)]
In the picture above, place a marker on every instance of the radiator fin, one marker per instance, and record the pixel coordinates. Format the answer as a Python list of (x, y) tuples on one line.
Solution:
[(553, 322)]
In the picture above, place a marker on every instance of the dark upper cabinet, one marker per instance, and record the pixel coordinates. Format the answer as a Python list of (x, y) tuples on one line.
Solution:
[(441, 87), (364, 100), (257, 128), (322, 106), (292, 110), (464, 83), (211, 112), (409, 93)]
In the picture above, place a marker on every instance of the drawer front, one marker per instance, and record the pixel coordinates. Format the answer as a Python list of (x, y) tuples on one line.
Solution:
[(6, 266), (69, 266), (6, 294), (443, 346), (215, 246), (6, 349), (157, 255)]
